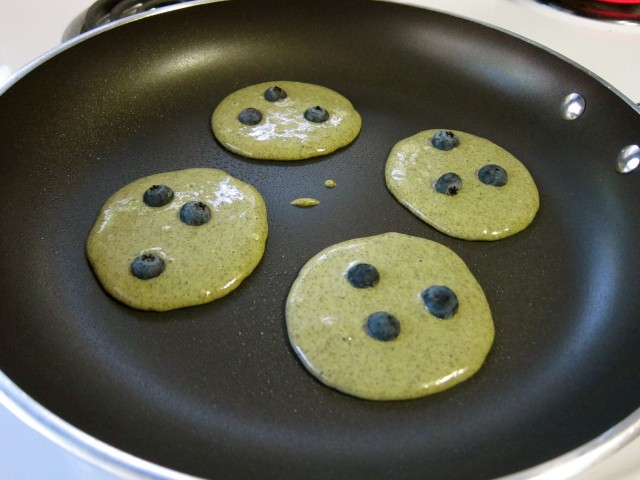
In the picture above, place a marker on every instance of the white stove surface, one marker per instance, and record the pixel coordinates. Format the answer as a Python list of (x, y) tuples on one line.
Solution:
[(29, 28)]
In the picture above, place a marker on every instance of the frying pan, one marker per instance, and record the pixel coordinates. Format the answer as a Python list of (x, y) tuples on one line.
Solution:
[(216, 391)]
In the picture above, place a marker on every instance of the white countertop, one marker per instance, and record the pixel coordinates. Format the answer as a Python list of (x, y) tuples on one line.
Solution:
[(29, 28)]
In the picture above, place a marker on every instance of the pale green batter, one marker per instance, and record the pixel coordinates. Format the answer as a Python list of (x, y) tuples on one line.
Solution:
[(284, 133), (305, 202), (478, 211), (326, 318), (202, 262)]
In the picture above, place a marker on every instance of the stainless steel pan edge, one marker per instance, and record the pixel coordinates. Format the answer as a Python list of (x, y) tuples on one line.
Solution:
[(83, 36), (126, 466), (129, 467)]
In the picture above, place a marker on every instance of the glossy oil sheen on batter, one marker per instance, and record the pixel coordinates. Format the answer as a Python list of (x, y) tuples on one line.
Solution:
[(478, 211), (326, 317), (202, 262), (284, 133)]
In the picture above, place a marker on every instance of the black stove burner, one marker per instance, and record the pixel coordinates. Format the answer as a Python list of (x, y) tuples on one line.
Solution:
[(105, 11)]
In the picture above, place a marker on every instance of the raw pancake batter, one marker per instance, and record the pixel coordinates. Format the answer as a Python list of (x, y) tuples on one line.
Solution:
[(465, 207), (197, 247), (278, 125), (358, 319)]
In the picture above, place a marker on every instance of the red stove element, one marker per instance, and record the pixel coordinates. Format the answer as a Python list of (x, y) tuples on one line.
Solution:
[(621, 10)]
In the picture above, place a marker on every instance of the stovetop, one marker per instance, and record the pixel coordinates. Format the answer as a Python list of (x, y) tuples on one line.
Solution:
[(29, 28)]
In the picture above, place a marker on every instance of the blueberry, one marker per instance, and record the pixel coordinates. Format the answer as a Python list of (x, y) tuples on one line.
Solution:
[(146, 266), (493, 175), (383, 326), (449, 184), (157, 195), (363, 275), (445, 140), (274, 93), (316, 114), (250, 116), (195, 213), (440, 301)]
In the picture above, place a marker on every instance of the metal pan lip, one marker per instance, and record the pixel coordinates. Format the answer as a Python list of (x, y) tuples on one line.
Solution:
[(77, 442), (16, 76), (124, 465), (23, 71)]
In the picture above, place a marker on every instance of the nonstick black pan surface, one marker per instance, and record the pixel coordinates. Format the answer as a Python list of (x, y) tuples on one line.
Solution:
[(215, 390)]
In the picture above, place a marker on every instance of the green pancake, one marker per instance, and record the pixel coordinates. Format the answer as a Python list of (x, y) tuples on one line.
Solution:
[(284, 133), (202, 262), (477, 211), (326, 319)]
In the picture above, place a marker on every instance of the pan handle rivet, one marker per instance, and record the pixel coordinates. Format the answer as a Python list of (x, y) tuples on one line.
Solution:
[(573, 106), (628, 159)]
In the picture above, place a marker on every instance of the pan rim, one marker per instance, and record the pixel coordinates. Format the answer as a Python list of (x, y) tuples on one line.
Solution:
[(125, 465), (23, 71)]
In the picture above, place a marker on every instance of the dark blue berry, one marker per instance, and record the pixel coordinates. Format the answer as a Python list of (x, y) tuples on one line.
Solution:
[(274, 93), (440, 301), (316, 114), (445, 140), (449, 184), (493, 175), (383, 326), (363, 275), (250, 116), (146, 266), (195, 213), (157, 195)]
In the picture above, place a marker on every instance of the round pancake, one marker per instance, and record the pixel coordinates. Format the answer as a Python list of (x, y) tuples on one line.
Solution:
[(477, 211), (202, 262), (283, 132), (326, 319)]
